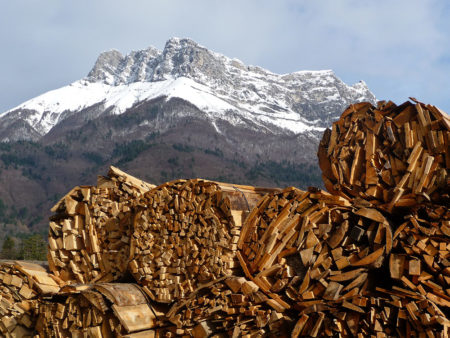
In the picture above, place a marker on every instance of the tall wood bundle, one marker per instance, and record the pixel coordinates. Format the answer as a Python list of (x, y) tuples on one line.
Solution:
[(101, 310), (393, 156), (229, 307), (21, 286), (89, 234), (188, 235), (421, 252), (307, 247)]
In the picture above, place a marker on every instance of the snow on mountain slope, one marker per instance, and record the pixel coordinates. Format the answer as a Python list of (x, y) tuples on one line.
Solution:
[(50, 107), (224, 88)]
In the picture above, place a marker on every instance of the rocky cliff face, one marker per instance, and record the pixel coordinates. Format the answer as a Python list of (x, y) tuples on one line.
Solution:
[(223, 88)]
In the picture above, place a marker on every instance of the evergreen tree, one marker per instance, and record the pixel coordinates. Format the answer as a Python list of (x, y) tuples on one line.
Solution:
[(8, 248), (34, 248)]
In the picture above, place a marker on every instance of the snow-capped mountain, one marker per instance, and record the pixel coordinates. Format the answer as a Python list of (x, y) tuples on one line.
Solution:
[(223, 89), (183, 112)]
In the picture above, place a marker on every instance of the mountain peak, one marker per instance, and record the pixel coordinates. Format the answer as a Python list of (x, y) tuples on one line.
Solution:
[(113, 68), (177, 43), (106, 66), (224, 89)]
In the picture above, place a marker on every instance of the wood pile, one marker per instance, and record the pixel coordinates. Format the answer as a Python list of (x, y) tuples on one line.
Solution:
[(21, 284), (89, 235), (305, 248), (231, 306), (380, 313), (421, 253), (395, 159), (187, 234), (370, 257), (99, 310), (392, 156)]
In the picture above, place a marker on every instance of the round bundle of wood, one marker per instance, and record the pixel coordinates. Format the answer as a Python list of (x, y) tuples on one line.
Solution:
[(188, 235), (102, 310), (21, 285), (420, 257), (380, 313), (393, 156), (232, 307), (302, 247), (89, 234)]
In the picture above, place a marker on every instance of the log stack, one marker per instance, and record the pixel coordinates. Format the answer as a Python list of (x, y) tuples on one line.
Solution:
[(100, 310), (368, 258), (89, 235), (392, 156), (230, 306), (305, 248), (395, 159), (421, 253), (21, 286), (380, 313), (187, 234)]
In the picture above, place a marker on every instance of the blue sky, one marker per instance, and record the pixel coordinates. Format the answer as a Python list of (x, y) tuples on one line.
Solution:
[(399, 48)]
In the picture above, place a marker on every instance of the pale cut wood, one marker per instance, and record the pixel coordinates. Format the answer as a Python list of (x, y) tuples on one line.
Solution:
[(188, 234), (90, 232), (306, 240), (22, 284), (392, 152), (104, 310)]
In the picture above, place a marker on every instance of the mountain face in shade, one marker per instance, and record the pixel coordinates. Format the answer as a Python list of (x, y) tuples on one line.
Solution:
[(182, 112)]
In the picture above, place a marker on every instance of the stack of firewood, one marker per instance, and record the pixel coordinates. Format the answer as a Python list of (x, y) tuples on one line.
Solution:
[(234, 306), (395, 159), (89, 236), (187, 234), (383, 313), (421, 253), (301, 247), (391, 156), (99, 310), (370, 257), (21, 286)]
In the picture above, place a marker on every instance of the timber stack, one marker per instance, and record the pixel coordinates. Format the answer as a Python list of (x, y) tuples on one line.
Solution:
[(21, 286), (233, 306), (420, 255), (187, 235), (300, 247), (90, 232), (390, 156), (98, 310), (198, 258), (396, 159)]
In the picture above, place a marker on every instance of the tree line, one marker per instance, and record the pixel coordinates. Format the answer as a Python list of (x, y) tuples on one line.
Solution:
[(33, 247)]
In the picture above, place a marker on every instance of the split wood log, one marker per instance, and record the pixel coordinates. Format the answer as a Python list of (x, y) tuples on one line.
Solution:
[(89, 234), (21, 286), (100, 310), (393, 156), (421, 252), (229, 307), (302, 247), (188, 235)]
